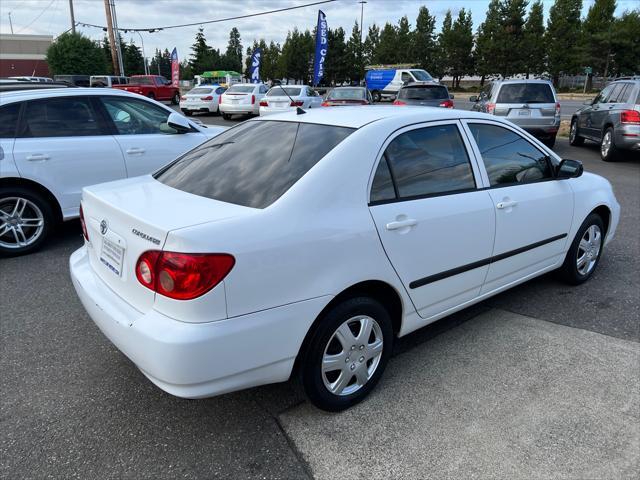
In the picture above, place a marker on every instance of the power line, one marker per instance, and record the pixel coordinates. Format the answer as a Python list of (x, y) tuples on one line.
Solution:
[(37, 17), (153, 29)]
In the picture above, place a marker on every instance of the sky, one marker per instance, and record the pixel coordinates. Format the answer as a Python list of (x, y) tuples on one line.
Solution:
[(52, 17)]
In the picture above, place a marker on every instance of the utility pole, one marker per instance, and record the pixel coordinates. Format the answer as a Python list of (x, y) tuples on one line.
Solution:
[(144, 57), (73, 18), (10, 23), (112, 39), (114, 18), (361, 2)]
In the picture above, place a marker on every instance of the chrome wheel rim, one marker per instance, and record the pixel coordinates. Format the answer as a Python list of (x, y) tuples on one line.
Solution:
[(572, 132), (606, 144), (21, 222), (589, 250), (352, 355)]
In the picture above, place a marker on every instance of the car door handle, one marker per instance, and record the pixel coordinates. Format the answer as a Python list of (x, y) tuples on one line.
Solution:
[(38, 157), (409, 222), (135, 151), (506, 204)]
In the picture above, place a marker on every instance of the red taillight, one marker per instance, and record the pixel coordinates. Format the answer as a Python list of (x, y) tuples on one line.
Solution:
[(263, 103), (491, 107), (297, 103), (630, 116), (182, 276), (183, 97), (446, 104), (208, 97), (399, 102), (557, 109), (221, 97), (325, 104), (83, 225), (253, 99)]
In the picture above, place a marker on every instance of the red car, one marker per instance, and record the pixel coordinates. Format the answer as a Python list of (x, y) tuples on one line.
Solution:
[(152, 86)]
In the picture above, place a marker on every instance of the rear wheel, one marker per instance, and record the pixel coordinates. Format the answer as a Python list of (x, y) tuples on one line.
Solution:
[(584, 254), (175, 100), (26, 219), (188, 113), (347, 353), (608, 151), (226, 116), (377, 96), (575, 139)]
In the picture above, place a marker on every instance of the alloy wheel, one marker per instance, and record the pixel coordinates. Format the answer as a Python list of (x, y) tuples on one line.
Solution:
[(606, 144), (589, 250), (21, 222), (352, 355), (572, 131)]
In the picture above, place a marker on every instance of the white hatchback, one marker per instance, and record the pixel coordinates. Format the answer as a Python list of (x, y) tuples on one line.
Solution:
[(54, 142), (308, 243), (242, 99), (203, 99), (283, 98)]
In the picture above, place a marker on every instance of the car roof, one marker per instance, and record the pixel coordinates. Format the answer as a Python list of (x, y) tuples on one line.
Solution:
[(424, 84), (22, 95), (524, 80), (356, 117)]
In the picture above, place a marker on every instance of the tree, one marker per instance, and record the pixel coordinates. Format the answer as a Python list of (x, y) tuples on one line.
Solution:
[(336, 65), (388, 51), (132, 59), (355, 54), (403, 41), (232, 59), (512, 42), (457, 43), (271, 62), (75, 54), (371, 45), (423, 42), (203, 57), (563, 38), (161, 64), (445, 44), (297, 55), (626, 44), (597, 32), (489, 42), (533, 51)]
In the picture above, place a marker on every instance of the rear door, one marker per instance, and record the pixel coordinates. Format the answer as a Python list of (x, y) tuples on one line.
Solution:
[(596, 114), (140, 128), (533, 211), (65, 145), (436, 225)]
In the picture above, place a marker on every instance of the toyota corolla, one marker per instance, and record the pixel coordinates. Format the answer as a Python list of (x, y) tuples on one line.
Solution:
[(307, 243)]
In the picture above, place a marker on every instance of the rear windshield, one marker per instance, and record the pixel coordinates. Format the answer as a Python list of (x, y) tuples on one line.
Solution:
[(279, 92), (346, 94), (201, 90), (421, 75), (241, 89), (254, 163), (435, 92), (525, 93)]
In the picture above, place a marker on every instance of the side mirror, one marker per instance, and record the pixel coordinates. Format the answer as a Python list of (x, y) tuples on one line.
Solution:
[(452, 96), (179, 123), (473, 98), (569, 169)]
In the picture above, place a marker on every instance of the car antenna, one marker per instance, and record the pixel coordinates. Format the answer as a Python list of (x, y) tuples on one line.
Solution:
[(299, 111)]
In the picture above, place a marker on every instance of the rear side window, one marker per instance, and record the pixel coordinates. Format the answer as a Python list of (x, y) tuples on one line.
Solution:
[(426, 161), (509, 158), (254, 163), (9, 120), (423, 93), (525, 93), (60, 117)]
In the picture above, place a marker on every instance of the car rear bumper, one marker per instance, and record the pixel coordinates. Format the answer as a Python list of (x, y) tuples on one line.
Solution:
[(237, 109), (198, 107), (195, 360), (627, 137)]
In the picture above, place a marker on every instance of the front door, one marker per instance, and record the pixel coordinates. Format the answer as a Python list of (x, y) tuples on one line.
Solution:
[(436, 227), (533, 210)]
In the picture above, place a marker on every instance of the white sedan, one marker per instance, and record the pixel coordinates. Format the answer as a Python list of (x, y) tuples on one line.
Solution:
[(242, 99), (283, 98), (202, 99), (54, 142), (309, 243)]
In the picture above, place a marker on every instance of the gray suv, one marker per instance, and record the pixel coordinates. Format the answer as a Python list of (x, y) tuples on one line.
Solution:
[(530, 104), (612, 119)]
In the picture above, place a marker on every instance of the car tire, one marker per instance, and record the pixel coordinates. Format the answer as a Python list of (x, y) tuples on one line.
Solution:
[(187, 113), (575, 139), (34, 207), (377, 97), (550, 142), (584, 254), (175, 100), (226, 116), (608, 151), (151, 95), (337, 336)]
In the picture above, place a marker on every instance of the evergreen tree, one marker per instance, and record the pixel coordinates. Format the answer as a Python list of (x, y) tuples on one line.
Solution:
[(456, 40), (423, 42), (512, 42), (271, 63), (563, 38), (597, 35), (534, 50), (201, 58), (132, 59), (355, 55), (232, 59), (75, 54), (404, 41), (336, 62), (388, 48), (371, 44), (489, 41), (626, 44)]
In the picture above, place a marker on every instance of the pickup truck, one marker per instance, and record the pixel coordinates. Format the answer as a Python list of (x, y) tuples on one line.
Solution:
[(152, 86)]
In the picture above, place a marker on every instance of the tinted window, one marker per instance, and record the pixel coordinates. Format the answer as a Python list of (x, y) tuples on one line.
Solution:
[(280, 92), (421, 75), (406, 77), (423, 93), (603, 95), (254, 163), (615, 93), (241, 89), (347, 94), (60, 117), (9, 120), (525, 93), (509, 158), (201, 90), (136, 117), (429, 161), (382, 187)]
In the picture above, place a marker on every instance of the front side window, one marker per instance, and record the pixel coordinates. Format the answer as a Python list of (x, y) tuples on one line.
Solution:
[(136, 117), (508, 157), (9, 120), (427, 161), (60, 117), (254, 163), (421, 75), (406, 77)]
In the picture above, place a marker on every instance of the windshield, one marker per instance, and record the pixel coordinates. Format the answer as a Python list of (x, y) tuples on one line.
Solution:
[(280, 92), (201, 90), (254, 163), (525, 93), (421, 75), (241, 89), (347, 94), (436, 92)]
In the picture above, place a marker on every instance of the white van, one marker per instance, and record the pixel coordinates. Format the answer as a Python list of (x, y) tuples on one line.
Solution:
[(107, 81), (386, 81)]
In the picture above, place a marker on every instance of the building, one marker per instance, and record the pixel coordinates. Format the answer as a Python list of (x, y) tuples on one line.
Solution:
[(24, 55)]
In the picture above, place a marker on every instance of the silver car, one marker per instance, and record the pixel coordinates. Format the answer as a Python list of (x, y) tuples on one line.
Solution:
[(530, 104), (612, 119)]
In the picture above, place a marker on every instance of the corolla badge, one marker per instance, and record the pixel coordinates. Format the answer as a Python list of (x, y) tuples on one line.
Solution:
[(104, 226)]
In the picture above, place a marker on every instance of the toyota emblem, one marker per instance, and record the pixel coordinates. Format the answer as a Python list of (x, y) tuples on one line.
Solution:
[(104, 226)]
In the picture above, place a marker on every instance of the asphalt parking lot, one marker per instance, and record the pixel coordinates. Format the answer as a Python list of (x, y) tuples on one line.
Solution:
[(541, 381)]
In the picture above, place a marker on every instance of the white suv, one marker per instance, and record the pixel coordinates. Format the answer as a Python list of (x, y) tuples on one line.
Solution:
[(55, 142)]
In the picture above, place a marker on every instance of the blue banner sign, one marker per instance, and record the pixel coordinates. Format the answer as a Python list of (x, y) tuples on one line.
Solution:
[(254, 70), (322, 44)]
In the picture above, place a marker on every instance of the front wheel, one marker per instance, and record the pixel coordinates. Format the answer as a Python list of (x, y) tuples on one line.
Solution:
[(175, 100), (377, 97), (608, 151), (347, 354), (26, 219), (585, 251), (575, 139), (151, 96), (226, 116)]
